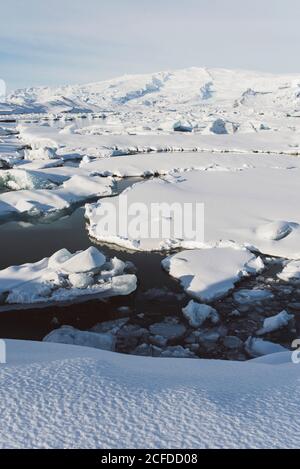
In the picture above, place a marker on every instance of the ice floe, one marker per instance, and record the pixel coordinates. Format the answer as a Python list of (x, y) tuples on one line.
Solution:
[(281, 142), (257, 347), (273, 323), (246, 296), (245, 206), (207, 274), (50, 202), (197, 314), (64, 277), (72, 336)]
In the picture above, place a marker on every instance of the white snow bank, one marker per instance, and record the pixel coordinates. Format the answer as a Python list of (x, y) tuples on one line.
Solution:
[(285, 141), (237, 206), (18, 179), (45, 202), (207, 274), (63, 396), (65, 277), (273, 323), (163, 163), (197, 314)]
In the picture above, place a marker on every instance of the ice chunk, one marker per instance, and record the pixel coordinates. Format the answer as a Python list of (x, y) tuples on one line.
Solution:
[(207, 274), (169, 329), (220, 126), (147, 350), (232, 342), (116, 267), (183, 126), (273, 323), (62, 277), (124, 284), (256, 347), (177, 351), (197, 314), (58, 258), (29, 292), (81, 280), (69, 335), (90, 260), (42, 153), (291, 271), (110, 326), (246, 296)]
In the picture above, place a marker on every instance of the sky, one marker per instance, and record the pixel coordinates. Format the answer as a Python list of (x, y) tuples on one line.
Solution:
[(52, 42)]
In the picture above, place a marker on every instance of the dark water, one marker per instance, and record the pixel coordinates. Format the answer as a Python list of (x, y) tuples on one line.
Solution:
[(21, 243), (24, 242)]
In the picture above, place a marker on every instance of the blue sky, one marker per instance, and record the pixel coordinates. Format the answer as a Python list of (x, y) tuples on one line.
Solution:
[(49, 42)]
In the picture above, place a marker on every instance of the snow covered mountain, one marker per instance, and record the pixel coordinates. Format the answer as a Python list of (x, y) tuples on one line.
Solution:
[(192, 88)]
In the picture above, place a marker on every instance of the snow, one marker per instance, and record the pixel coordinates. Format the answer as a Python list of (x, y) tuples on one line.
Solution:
[(197, 314), (233, 210), (241, 91), (65, 277), (90, 260), (81, 280), (290, 272), (208, 274), (52, 202), (273, 323), (167, 162), (42, 153), (227, 139), (275, 230), (83, 143), (65, 396)]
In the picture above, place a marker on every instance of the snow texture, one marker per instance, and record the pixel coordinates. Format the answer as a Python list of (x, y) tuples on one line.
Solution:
[(63, 396)]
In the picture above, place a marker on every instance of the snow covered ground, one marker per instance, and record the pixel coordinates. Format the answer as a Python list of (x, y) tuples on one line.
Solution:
[(227, 139), (62, 396), (49, 203)]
